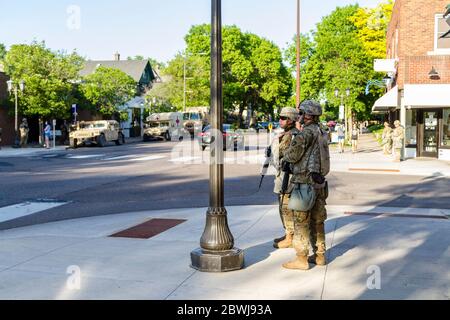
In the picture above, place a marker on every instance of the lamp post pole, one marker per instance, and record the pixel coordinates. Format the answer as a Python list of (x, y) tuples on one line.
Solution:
[(15, 87), (346, 117), (217, 252), (184, 82)]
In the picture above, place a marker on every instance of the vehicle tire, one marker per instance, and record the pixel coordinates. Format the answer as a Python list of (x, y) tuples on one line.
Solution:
[(101, 141), (167, 136), (119, 140), (146, 139), (74, 144)]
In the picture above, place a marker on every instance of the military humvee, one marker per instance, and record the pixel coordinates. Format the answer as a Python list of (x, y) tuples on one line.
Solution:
[(96, 132), (166, 125)]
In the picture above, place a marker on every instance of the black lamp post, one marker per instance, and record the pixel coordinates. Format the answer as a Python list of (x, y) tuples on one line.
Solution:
[(217, 252), (14, 87)]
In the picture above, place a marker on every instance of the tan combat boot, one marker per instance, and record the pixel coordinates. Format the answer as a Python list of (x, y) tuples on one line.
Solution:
[(286, 243), (318, 259), (301, 263)]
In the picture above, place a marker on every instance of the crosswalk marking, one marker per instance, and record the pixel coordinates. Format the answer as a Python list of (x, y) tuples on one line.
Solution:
[(184, 159), (26, 209), (149, 158), (89, 156), (119, 158)]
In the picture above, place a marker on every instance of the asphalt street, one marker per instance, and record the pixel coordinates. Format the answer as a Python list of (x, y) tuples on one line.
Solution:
[(153, 175)]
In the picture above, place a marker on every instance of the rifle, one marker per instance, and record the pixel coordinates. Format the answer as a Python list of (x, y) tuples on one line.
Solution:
[(265, 165), (286, 168)]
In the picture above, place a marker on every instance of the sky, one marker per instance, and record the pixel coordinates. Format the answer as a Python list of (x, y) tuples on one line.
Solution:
[(152, 28)]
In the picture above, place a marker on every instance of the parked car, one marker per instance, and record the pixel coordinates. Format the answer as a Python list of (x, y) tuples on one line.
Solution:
[(231, 138), (96, 132)]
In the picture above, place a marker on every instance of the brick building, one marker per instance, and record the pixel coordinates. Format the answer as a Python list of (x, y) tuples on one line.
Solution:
[(418, 65)]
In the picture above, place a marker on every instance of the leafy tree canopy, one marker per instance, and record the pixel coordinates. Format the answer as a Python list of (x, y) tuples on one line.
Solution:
[(49, 78), (108, 89)]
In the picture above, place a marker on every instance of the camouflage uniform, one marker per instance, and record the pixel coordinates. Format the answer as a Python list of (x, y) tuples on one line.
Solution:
[(398, 136), (387, 140), (309, 226), (279, 148)]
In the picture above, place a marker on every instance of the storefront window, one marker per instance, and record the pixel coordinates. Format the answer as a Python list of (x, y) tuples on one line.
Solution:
[(446, 127), (411, 128)]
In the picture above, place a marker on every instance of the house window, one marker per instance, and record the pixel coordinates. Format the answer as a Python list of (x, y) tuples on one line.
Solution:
[(442, 27), (446, 128)]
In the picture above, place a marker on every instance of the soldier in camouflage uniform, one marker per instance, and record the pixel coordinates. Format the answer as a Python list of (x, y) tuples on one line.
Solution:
[(288, 118), (304, 158)]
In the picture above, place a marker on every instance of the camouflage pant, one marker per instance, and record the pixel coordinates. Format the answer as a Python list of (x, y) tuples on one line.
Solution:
[(287, 216), (309, 227)]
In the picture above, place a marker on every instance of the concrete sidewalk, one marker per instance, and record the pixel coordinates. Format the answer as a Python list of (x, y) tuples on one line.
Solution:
[(408, 248), (370, 159), (34, 150)]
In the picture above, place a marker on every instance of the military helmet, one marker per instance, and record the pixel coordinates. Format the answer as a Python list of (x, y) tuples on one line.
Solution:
[(311, 108), (290, 113)]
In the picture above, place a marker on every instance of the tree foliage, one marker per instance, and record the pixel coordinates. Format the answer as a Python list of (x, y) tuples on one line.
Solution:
[(107, 89), (340, 56), (2, 51), (49, 79), (253, 72), (372, 26)]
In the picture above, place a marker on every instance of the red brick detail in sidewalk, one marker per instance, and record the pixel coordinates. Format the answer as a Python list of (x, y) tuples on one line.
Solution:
[(148, 229)]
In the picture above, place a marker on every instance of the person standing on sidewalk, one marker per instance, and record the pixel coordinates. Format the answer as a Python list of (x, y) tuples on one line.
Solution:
[(303, 156), (387, 139), (355, 137), (398, 137), (288, 118), (341, 137), (24, 129), (47, 134)]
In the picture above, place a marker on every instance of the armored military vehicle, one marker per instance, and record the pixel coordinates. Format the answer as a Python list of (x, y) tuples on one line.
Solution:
[(96, 132)]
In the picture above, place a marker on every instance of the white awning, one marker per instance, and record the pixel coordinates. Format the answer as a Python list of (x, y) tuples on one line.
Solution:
[(386, 102), (427, 95)]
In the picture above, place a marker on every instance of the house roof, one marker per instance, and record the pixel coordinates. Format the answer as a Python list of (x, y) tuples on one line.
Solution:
[(133, 68)]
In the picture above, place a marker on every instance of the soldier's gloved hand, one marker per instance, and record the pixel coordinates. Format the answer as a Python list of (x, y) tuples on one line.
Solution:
[(268, 152), (286, 166)]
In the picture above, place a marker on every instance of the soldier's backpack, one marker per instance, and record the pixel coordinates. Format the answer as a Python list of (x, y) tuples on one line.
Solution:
[(323, 140)]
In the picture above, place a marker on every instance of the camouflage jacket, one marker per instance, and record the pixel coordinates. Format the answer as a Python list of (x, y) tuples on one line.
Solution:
[(279, 147), (304, 154)]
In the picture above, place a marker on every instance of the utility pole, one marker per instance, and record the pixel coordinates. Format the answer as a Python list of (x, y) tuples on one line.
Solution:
[(184, 82), (298, 92), (217, 252)]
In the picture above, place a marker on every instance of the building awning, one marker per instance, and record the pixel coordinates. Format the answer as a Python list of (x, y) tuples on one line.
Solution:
[(427, 95), (386, 102)]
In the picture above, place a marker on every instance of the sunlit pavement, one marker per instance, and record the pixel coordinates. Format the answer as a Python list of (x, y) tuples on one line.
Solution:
[(374, 253)]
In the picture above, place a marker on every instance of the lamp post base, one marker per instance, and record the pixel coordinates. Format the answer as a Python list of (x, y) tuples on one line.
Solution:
[(217, 261)]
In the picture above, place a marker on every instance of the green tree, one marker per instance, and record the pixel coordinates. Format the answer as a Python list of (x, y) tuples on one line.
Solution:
[(107, 89), (372, 26), (153, 62), (253, 71), (2, 51), (50, 79)]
